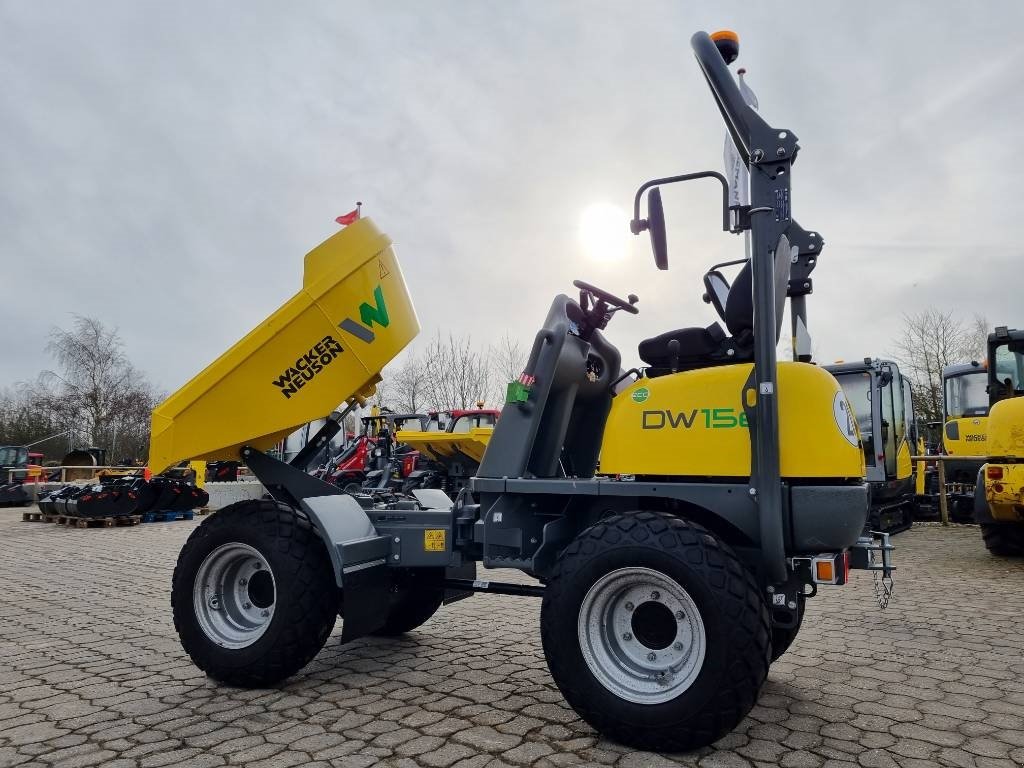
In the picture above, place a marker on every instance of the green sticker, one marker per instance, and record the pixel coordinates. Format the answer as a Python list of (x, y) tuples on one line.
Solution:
[(640, 395)]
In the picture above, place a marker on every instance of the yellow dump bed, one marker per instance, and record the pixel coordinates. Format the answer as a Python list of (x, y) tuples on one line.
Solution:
[(447, 446), (326, 345)]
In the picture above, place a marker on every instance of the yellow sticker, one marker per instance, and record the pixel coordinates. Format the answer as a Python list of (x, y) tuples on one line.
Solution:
[(433, 540)]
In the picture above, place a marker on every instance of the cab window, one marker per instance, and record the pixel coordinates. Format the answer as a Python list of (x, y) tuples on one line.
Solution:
[(1009, 372)]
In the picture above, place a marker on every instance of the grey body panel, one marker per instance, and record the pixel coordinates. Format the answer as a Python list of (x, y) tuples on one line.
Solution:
[(827, 518), (352, 540), (524, 522), (405, 530), (432, 498)]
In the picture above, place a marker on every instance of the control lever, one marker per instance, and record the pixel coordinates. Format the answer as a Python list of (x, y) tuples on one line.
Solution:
[(673, 354)]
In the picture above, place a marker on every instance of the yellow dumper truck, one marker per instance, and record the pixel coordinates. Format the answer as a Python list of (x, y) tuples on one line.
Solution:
[(732, 486)]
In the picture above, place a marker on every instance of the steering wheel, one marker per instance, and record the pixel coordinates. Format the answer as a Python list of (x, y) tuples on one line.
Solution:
[(609, 299)]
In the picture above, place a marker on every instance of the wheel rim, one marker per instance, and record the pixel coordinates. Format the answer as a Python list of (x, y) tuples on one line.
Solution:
[(641, 635), (234, 595)]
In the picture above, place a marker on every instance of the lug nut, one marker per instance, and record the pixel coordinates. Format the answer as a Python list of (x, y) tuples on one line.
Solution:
[(627, 636), (264, 613), (257, 566), (652, 656), (629, 606), (242, 582), (247, 606), (679, 615), (215, 603), (655, 595), (678, 646)]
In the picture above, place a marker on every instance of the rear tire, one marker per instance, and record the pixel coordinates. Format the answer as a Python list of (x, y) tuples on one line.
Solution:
[(655, 632), (1004, 540), (253, 594), (415, 597)]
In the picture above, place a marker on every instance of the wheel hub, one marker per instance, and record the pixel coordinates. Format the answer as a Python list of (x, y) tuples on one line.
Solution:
[(641, 635), (233, 595)]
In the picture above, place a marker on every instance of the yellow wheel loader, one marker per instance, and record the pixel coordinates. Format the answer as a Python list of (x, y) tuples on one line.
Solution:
[(732, 486), (999, 493)]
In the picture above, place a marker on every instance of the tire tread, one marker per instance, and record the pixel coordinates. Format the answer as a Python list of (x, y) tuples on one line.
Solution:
[(311, 608), (741, 601)]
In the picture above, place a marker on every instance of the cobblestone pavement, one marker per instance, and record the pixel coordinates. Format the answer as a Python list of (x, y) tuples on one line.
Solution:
[(91, 673)]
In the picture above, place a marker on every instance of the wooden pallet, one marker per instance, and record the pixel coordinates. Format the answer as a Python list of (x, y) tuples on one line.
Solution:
[(97, 522), (203, 511), (166, 516), (37, 517)]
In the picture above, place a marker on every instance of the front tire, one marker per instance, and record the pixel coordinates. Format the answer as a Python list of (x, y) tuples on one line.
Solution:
[(655, 632), (253, 594)]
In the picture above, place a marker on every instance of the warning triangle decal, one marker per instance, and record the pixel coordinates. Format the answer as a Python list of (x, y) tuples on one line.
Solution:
[(383, 270)]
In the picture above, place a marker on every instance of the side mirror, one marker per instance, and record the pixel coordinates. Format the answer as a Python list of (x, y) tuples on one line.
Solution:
[(717, 291), (656, 226)]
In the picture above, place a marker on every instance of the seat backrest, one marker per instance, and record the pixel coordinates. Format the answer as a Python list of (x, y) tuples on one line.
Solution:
[(739, 306)]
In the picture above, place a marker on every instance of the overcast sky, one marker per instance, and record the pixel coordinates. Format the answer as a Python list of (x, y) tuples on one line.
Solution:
[(165, 166)]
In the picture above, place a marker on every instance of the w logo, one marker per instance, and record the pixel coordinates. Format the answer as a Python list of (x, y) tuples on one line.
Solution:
[(368, 315)]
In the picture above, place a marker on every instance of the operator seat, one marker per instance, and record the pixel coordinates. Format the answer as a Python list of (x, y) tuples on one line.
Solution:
[(706, 347)]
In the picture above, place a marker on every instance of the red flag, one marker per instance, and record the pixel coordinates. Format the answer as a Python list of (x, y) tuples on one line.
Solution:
[(349, 218)]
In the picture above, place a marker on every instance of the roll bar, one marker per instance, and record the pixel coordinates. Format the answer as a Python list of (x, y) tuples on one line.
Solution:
[(769, 221), (756, 141)]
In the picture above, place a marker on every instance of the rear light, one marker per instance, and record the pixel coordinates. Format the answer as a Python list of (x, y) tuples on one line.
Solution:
[(997, 487), (831, 569), (994, 473)]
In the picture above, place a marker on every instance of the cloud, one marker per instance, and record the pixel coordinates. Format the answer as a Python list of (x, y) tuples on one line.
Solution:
[(165, 166)]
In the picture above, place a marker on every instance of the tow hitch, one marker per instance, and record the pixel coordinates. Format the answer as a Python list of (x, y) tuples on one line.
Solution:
[(873, 553)]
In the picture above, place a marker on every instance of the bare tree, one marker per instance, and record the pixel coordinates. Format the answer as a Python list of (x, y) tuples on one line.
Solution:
[(978, 331), (382, 392), (457, 375), (930, 341), (508, 359), (96, 394), (408, 387), (25, 420)]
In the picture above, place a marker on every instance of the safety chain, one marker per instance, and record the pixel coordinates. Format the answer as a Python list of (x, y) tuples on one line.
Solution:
[(883, 589)]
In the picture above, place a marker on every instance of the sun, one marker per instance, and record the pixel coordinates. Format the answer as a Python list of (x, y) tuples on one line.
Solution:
[(604, 232)]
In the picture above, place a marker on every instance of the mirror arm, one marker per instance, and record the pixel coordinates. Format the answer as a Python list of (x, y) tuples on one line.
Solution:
[(638, 225), (732, 263)]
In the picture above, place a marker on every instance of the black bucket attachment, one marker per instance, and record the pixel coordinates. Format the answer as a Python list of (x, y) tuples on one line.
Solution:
[(46, 503), (58, 500), (71, 501), (167, 494), (14, 495), (123, 496), (114, 499)]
